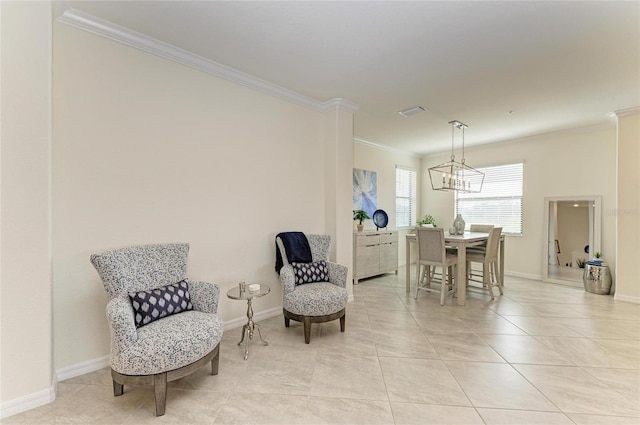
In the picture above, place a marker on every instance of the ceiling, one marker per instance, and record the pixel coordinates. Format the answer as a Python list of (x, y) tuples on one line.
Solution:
[(506, 69)]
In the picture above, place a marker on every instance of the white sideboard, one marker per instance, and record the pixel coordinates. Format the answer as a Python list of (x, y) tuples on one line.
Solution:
[(374, 253)]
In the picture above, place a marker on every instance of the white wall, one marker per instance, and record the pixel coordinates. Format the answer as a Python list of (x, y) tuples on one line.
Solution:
[(146, 150), (25, 214), (570, 163), (384, 161)]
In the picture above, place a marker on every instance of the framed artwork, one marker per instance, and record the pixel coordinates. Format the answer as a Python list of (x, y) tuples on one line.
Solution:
[(365, 191)]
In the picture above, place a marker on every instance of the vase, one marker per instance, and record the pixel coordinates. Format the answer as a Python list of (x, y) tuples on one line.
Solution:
[(459, 224), (360, 227)]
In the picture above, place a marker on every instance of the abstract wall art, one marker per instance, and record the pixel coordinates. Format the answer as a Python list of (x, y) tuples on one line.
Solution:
[(365, 190)]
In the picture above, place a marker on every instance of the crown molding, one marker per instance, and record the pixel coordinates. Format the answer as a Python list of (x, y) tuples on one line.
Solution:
[(340, 103), (385, 148), (107, 29), (627, 112)]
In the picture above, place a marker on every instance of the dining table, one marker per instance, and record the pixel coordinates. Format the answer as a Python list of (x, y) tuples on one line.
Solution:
[(460, 242)]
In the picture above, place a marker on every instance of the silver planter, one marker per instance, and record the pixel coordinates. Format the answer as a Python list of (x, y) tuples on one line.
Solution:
[(597, 279)]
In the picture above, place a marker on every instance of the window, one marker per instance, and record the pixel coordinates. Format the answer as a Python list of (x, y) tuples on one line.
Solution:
[(405, 197), (500, 201)]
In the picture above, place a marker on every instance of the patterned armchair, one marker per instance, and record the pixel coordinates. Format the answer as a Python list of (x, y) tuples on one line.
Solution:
[(150, 343), (314, 302)]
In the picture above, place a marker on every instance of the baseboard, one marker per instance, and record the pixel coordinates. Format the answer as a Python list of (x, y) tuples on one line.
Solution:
[(626, 298), (81, 368), (523, 275), (28, 402), (261, 315)]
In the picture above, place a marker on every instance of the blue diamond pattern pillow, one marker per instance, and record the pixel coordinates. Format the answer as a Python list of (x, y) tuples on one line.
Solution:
[(310, 272), (160, 302)]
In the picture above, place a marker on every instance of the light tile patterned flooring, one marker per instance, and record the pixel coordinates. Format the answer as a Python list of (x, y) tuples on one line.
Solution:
[(540, 354)]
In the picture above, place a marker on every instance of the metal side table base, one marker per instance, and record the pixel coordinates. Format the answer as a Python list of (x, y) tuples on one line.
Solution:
[(250, 327)]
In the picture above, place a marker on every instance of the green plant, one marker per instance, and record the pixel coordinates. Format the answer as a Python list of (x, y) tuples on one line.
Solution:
[(581, 263), (360, 215), (598, 254), (427, 219)]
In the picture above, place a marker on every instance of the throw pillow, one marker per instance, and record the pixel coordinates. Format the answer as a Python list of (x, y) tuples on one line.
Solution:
[(155, 304), (310, 272)]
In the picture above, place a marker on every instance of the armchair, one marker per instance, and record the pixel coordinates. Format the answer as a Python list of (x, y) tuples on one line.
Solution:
[(164, 346), (314, 302)]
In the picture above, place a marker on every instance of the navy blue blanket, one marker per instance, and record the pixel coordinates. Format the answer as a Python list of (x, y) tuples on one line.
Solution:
[(296, 246)]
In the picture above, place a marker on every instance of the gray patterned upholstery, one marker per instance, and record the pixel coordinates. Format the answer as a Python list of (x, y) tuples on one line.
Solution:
[(316, 300), (168, 348), (171, 342)]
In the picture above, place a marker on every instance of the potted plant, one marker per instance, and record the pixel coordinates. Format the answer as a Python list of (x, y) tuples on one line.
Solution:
[(360, 215), (596, 259), (427, 221)]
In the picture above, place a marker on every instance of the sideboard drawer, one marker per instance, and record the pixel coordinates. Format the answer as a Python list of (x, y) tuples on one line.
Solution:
[(390, 237), (365, 239)]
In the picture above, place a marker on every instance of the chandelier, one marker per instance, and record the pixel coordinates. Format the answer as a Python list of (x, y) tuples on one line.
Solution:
[(454, 175)]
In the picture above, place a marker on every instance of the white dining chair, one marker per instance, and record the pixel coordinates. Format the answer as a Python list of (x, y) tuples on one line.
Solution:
[(489, 260), (432, 252), (482, 228)]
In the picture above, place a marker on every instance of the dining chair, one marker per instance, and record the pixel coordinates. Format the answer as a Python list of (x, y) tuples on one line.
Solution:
[(432, 252), (489, 260), (482, 228)]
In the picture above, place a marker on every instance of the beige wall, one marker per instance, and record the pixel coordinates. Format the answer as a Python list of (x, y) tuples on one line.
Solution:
[(147, 150), (571, 163), (384, 161), (628, 208), (25, 219)]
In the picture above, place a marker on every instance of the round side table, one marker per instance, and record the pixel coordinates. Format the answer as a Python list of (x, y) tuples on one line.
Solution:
[(250, 326)]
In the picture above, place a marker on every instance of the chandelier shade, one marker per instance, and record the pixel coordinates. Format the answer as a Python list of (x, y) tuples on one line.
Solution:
[(456, 175)]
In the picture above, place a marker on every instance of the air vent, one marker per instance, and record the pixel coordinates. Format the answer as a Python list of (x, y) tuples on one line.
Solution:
[(412, 111)]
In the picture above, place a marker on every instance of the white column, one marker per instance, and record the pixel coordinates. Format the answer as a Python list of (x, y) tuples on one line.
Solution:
[(628, 206), (25, 212), (338, 181)]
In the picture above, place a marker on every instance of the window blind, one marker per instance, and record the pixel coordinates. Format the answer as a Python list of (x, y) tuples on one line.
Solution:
[(406, 194), (500, 201)]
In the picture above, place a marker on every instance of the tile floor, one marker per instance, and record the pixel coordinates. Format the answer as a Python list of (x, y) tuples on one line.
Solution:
[(540, 354)]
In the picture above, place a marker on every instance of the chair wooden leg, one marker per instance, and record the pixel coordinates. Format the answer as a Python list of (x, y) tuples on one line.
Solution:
[(287, 322), (445, 284), (118, 389), (417, 278), (498, 278), (487, 280), (160, 391), (342, 322), (215, 361), (307, 329)]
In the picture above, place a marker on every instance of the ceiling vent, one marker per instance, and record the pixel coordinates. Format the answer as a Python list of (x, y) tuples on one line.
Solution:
[(412, 111)]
